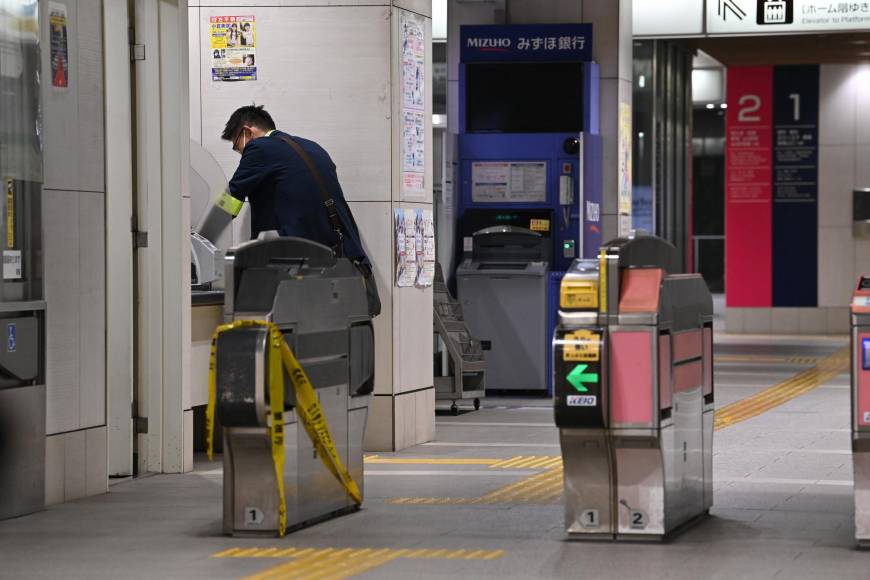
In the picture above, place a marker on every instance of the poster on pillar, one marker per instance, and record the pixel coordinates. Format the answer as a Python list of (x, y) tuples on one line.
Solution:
[(412, 60), (233, 48), (58, 45), (771, 195), (625, 201)]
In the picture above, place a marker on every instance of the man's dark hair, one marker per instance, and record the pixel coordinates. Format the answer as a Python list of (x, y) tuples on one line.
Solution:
[(251, 115)]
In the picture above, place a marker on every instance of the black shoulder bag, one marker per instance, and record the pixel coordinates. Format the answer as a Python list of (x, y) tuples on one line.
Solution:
[(374, 299)]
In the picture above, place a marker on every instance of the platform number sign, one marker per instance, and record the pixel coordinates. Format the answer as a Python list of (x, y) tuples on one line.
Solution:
[(253, 516), (590, 519)]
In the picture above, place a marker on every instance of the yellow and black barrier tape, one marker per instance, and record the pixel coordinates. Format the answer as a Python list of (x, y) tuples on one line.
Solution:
[(307, 408)]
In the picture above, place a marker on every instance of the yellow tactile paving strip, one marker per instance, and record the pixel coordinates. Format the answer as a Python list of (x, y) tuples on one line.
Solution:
[(517, 462), (762, 359), (338, 563), (541, 488), (802, 383), (546, 487)]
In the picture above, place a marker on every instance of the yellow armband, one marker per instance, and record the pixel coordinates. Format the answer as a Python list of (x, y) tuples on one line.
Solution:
[(229, 204)]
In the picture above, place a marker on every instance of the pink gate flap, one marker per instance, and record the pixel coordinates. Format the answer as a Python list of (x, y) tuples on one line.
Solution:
[(631, 378)]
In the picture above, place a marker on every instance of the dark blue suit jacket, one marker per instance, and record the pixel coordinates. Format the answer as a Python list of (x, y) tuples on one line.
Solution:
[(284, 196)]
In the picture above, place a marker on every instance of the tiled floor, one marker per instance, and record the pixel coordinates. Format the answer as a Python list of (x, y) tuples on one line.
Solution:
[(783, 504)]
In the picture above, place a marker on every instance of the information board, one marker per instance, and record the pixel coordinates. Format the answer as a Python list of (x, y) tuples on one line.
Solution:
[(516, 182)]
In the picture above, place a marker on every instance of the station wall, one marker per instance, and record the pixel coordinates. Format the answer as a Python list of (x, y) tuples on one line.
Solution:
[(74, 257), (843, 165)]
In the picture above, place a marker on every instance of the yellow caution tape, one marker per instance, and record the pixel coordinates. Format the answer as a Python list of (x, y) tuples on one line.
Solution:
[(307, 408), (10, 213), (229, 204)]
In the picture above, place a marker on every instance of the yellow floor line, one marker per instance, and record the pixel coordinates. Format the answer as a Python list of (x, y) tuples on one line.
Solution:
[(772, 397), (430, 461), (767, 359), (340, 563)]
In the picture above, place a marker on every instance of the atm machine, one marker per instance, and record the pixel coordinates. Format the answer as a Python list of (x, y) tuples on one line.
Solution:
[(22, 307), (529, 159)]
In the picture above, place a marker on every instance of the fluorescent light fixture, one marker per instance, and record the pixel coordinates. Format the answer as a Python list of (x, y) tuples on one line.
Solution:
[(641, 81)]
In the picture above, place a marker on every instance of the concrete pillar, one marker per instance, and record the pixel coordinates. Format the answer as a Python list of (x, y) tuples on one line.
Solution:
[(612, 49), (612, 38), (331, 71)]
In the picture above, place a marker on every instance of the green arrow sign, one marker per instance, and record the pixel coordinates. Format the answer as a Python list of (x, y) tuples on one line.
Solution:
[(578, 377)]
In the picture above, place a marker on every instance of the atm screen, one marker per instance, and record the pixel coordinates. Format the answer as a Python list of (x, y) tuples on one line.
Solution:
[(864, 284), (865, 354), (524, 97)]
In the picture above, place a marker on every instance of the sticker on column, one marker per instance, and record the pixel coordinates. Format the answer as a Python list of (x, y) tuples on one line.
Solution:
[(254, 516), (590, 519), (637, 520), (867, 416), (12, 264), (11, 337)]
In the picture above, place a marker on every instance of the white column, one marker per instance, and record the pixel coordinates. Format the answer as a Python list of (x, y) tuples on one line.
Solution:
[(119, 247), (162, 124)]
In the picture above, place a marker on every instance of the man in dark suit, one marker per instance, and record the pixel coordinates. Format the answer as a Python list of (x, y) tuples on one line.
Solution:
[(282, 189)]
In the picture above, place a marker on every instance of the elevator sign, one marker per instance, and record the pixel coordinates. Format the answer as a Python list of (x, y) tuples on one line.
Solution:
[(767, 16), (526, 43)]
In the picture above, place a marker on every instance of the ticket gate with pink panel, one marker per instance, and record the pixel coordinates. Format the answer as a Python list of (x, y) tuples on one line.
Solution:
[(861, 409), (633, 392)]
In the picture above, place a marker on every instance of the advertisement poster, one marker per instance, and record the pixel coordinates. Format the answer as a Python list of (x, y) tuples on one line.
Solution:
[(413, 142), (233, 47), (406, 247), (413, 68), (58, 45), (624, 164), (426, 257)]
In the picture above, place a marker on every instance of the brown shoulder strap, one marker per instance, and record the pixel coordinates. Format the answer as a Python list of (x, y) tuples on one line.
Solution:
[(328, 202)]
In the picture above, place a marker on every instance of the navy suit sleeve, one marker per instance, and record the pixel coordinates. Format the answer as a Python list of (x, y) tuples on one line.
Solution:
[(252, 170)]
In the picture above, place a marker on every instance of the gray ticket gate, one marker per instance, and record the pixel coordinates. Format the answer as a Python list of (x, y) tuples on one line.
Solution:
[(319, 303), (633, 392), (861, 408), (502, 286)]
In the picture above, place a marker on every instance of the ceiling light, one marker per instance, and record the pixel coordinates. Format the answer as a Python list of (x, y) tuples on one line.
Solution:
[(723, 106), (711, 106)]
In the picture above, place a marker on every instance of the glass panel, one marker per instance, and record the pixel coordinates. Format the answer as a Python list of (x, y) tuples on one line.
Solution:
[(21, 146)]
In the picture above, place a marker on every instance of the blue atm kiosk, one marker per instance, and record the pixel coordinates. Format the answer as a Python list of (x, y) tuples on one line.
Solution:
[(530, 164)]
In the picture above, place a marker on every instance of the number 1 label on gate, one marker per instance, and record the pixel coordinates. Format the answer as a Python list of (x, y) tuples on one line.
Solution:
[(253, 516), (590, 519)]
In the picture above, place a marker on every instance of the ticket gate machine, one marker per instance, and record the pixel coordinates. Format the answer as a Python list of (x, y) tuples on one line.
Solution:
[(861, 409), (633, 399), (319, 303)]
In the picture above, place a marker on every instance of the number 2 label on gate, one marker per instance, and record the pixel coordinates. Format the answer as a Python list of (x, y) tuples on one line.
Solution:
[(638, 520)]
